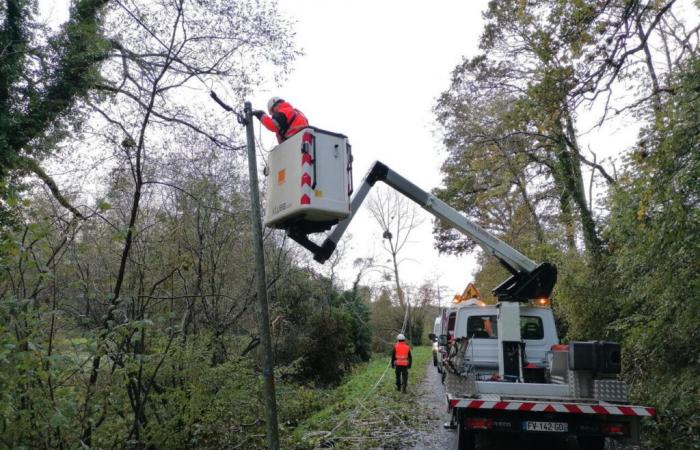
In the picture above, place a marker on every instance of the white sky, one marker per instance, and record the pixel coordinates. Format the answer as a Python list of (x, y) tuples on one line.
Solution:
[(372, 70)]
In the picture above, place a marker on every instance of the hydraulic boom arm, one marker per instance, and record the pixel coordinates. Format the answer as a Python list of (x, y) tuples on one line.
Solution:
[(529, 279)]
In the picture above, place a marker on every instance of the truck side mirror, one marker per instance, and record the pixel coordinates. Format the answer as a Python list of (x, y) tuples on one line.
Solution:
[(431, 336), (442, 340)]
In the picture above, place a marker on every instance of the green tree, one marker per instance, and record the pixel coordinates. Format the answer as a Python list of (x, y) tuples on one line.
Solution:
[(510, 113), (386, 320), (161, 259), (654, 234), (515, 165), (42, 75)]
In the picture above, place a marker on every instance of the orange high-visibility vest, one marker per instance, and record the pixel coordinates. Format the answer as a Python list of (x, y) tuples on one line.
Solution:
[(401, 350), (285, 122)]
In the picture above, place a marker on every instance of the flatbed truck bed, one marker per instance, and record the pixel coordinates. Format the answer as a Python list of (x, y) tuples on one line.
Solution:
[(591, 421)]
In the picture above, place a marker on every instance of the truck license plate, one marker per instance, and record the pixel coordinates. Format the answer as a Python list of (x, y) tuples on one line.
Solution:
[(552, 427)]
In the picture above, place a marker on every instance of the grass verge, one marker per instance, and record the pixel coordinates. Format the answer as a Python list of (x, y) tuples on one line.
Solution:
[(367, 411)]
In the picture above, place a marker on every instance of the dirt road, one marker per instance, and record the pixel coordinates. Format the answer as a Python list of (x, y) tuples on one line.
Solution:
[(432, 396)]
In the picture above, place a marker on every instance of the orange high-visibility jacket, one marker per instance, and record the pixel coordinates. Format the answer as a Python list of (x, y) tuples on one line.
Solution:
[(286, 121), (402, 354)]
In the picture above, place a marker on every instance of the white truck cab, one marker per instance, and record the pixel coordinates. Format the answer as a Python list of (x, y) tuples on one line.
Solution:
[(479, 325)]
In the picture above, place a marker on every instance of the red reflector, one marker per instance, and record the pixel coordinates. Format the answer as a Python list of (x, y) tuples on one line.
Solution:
[(307, 138), (306, 179), (478, 423), (615, 429), (305, 200)]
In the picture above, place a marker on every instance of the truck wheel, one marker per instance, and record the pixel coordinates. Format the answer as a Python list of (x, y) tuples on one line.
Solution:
[(591, 443), (465, 439)]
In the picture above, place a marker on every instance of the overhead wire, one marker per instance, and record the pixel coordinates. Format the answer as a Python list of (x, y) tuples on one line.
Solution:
[(257, 139), (261, 149)]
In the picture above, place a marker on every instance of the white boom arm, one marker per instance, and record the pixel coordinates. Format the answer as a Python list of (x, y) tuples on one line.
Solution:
[(529, 280)]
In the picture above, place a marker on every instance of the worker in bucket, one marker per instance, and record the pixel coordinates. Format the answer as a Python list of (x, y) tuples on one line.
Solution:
[(284, 120), (401, 360)]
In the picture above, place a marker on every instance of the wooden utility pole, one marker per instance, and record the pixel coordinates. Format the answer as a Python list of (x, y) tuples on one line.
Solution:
[(261, 285)]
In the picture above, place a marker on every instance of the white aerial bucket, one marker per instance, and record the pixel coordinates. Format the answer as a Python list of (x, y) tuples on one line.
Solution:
[(309, 181)]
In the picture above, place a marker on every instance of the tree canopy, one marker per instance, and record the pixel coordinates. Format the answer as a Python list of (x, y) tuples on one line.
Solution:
[(516, 165)]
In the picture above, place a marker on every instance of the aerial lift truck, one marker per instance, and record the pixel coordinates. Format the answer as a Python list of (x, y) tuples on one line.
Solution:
[(575, 392)]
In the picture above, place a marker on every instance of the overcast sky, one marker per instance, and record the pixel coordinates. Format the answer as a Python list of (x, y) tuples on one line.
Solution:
[(372, 70)]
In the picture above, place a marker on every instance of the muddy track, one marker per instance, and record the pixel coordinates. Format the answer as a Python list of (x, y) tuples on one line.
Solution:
[(432, 436)]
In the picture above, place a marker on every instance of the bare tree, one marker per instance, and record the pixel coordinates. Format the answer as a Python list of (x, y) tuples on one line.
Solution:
[(397, 217), (161, 50)]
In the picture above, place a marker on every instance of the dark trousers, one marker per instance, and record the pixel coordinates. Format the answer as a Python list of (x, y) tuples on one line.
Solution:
[(401, 377)]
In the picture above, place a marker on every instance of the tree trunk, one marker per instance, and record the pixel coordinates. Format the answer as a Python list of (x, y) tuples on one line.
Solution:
[(578, 191)]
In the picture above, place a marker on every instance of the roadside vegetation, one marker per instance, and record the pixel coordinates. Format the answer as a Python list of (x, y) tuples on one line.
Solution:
[(366, 411)]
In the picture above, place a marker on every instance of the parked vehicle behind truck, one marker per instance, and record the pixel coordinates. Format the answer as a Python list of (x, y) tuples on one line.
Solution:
[(437, 330)]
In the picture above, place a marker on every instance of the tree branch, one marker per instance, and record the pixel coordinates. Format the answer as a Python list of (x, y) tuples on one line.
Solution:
[(33, 166)]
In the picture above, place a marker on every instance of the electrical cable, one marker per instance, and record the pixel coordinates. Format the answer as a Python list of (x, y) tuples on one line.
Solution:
[(259, 141), (361, 402), (258, 145)]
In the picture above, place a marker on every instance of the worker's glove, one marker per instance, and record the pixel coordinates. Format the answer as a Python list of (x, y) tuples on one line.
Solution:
[(258, 113)]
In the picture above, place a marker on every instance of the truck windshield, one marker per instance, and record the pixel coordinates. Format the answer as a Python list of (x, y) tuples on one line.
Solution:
[(486, 327)]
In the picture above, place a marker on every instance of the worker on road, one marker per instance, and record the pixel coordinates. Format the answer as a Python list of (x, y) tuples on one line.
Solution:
[(286, 121), (401, 360)]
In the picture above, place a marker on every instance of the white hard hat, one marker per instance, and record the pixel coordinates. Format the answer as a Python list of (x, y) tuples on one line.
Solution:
[(400, 337), (272, 102)]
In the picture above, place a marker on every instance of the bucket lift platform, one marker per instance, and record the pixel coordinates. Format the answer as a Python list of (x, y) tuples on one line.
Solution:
[(309, 182)]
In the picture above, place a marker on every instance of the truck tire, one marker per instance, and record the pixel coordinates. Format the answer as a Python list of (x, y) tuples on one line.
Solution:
[(465, 438), (591, 443)]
